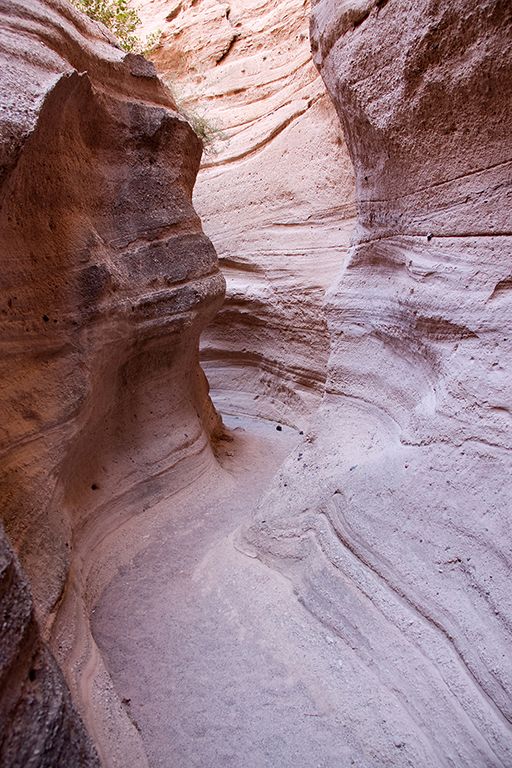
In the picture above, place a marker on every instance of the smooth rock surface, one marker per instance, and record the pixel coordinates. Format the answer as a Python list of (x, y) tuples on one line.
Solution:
[(275, 193), (221, 665), (107, 282), (393, 517)]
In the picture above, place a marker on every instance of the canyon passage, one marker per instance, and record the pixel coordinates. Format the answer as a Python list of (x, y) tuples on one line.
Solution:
[(255, 385)]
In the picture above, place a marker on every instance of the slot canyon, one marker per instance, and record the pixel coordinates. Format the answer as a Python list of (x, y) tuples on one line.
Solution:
[(256, 351)]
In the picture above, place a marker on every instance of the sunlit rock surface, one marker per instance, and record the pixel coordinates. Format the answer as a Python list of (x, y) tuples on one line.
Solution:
[(393, 516), (107, 282), (275, 193)]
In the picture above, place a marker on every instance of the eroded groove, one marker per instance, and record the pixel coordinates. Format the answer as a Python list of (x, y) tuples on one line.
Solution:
[(442, 622)]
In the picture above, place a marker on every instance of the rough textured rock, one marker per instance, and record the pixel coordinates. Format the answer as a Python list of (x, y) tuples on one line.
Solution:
[(107, 281), (393, 517), (275, 194), (38, 724)]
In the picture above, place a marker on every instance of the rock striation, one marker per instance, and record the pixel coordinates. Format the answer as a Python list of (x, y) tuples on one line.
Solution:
[(392, 517), (275, 193), (107, 282)]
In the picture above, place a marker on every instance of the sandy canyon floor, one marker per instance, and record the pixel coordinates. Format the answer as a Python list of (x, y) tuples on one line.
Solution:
[(215, 659)]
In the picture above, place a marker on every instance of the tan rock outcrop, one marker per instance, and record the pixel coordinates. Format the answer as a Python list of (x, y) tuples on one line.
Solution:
[(275, 194), (107, 282), (392, 518)]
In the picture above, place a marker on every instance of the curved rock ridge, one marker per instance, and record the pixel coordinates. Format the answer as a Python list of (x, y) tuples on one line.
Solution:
[(392, 517), (275, 193), (107, 282)]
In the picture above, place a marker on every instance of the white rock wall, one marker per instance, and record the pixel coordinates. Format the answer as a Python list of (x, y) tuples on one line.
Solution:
[(275, 194), (393, 517)]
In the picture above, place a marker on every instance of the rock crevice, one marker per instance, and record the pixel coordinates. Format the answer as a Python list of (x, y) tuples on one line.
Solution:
[(275, 193)]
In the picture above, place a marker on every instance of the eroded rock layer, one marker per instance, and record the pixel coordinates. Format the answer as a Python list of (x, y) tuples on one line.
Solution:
[(393, 517), (275, 193), (107, 282)]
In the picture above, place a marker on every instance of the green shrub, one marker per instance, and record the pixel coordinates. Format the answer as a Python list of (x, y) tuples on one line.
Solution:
[(208, 132), (121, 20)]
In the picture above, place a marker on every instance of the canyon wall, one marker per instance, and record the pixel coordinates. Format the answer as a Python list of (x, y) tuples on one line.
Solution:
[(38, 723), (107, 282), (275, 193), (392, 518)]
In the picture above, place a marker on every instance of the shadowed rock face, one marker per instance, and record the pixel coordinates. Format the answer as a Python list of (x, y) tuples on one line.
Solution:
[(392, 518), (39, 724), (107, 281), (276, 195)]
